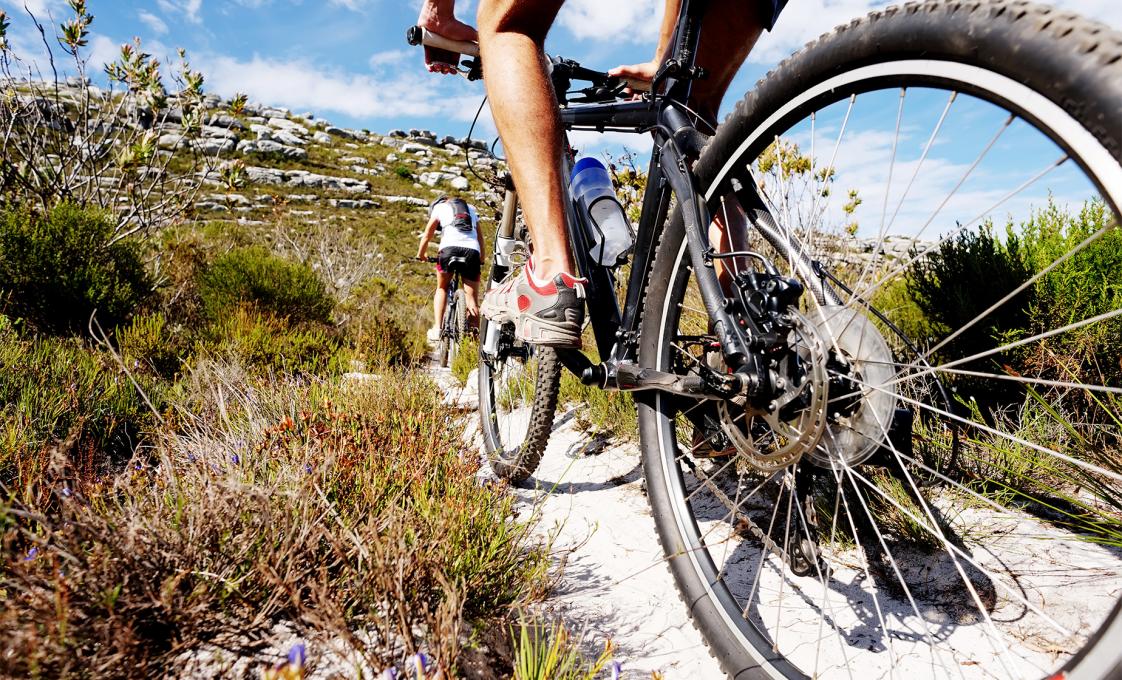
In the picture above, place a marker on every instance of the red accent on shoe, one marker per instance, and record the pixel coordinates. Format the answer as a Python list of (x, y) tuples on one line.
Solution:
[(548, 289), (523, 303)]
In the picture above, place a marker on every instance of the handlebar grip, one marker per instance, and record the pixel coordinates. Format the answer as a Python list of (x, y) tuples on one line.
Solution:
[(416, 35)]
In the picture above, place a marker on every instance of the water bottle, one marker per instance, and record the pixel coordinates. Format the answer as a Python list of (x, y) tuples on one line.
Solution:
[(592, 190)]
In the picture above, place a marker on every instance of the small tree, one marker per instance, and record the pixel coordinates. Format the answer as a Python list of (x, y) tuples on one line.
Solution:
[(65, 141)]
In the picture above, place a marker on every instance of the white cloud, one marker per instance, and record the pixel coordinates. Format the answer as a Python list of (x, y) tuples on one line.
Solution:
[(40, 8), (629, 21), (153, 22), (190, 9), (300, 84), (389, 58)]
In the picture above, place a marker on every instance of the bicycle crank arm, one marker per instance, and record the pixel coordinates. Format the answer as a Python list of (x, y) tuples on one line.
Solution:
[(634, 378)]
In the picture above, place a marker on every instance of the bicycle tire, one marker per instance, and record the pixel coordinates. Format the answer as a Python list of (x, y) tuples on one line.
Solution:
[(1055, 56), (515, 461), (459, 326)]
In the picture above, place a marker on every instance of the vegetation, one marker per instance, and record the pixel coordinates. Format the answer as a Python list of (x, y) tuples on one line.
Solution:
[(60, 267)]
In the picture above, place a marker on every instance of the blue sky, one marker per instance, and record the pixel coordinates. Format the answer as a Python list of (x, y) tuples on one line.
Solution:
[(347, 61)]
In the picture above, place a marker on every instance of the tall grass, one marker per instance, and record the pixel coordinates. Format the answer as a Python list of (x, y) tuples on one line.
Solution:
[(338, 508)]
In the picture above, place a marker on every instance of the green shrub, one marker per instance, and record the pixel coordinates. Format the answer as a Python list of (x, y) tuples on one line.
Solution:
[(1084, 286), (58, 392), (268, 343), (270, 283), (147, 344), (403, 172), (57, 268), (387, 323)]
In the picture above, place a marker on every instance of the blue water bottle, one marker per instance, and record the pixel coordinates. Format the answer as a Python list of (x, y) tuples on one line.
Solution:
[(592, 191)]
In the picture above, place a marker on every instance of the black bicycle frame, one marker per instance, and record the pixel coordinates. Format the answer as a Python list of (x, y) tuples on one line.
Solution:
[(677, 143)]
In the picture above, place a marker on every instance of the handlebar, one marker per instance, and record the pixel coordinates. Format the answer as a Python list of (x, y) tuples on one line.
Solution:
[(417, 36)]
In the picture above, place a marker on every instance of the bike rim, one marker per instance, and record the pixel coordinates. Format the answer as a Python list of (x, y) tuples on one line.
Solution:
[(510, 386), (990, 591)]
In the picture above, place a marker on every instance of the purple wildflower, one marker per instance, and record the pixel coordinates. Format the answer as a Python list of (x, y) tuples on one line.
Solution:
[(308, 468), (31, 554), (66, 491), (234, 458), (616, 670), (298, 654), (191, 457), (389, 674)]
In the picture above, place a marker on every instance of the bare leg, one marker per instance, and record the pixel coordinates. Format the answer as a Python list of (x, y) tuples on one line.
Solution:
[(525, 110), (439, 16), (440, 298), (471, 297)]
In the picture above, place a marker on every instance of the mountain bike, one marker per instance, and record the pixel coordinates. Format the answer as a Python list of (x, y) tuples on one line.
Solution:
[(454, 326), (884, 457)]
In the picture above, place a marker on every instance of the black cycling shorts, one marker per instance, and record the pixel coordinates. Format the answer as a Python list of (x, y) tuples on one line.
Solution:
[(469, 269)]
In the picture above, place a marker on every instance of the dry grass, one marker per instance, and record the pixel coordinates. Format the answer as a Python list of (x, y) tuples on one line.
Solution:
[(355, 512)]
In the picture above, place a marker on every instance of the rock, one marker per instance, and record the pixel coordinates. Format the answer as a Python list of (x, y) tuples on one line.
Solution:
[(322, 138), (301, 198), (345, 134), (391, 158), (229, 199), (410, 200), (360, 204), (447, 139), (212, 101), (415, 148), (214, 145), (172, 141), (288, 126), (210, 206), (459, 183), (452, 148), (303, 178), (353, 160), (226, 121), (397, 133), (262, 131), (426, 141), (275, 113), (286, 137), (212, 132), (269, 146), (256, 120)]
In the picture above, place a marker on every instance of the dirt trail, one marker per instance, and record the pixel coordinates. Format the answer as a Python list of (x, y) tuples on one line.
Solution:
[(613, 583)]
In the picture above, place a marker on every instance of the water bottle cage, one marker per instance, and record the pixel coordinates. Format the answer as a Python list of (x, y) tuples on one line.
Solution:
[(603, 239)]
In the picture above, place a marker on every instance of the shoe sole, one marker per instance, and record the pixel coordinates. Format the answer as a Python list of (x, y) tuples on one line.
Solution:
[(537, 331)]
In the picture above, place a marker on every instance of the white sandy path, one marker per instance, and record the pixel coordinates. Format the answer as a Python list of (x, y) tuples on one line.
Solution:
[(612, 580)]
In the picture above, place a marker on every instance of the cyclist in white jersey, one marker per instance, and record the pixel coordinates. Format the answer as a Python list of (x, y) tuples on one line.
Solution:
[(461, 243)]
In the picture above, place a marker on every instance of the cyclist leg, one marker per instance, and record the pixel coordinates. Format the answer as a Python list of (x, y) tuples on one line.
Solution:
[(545, 300), (470, 275), (439, 301)]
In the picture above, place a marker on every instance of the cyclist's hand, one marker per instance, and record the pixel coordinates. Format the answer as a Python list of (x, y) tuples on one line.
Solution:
[(645, 71)]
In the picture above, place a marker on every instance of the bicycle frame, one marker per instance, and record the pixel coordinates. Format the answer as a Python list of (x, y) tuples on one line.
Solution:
[(677, 143)]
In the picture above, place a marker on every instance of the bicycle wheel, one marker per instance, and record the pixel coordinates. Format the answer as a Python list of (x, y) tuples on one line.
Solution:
[(459, 326), (938, 489), (518, 388)]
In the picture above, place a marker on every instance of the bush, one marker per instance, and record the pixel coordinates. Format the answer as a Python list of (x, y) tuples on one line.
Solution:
[(387, 323), (272, 284), (148, 345), (57, 268), (59, 393), (1084, 286), (403, 172), (268, 343), (357, 511)]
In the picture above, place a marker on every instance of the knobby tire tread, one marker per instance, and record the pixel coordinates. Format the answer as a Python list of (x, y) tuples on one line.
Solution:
[(547, 388)]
